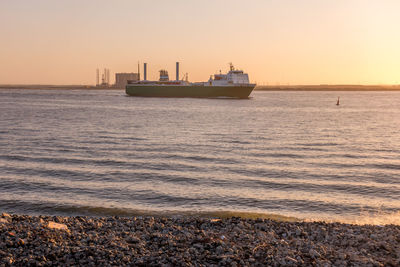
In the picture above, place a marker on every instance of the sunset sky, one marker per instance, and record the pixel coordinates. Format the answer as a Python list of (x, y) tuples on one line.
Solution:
[(275, 41)]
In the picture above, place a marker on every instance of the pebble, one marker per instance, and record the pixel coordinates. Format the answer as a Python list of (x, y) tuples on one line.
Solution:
[(58, 226), (6, 215), (187, 241)]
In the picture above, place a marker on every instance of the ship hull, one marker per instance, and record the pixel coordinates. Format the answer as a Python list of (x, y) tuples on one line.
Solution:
[(189, 91)]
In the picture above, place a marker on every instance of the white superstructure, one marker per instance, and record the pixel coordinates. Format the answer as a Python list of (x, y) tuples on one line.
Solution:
[(232, 78)]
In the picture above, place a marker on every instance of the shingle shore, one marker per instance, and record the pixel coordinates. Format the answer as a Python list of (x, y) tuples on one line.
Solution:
[(191, 241)]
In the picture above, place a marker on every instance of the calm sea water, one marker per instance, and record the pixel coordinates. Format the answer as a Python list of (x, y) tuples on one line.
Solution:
[(73, 152)]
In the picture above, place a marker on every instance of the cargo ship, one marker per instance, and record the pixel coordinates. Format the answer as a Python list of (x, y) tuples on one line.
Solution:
[(234, 84)]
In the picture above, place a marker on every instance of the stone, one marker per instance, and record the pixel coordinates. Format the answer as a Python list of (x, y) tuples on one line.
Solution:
[(6, 215), (132, 239), (219, 250), (314, 254), (21, 242)]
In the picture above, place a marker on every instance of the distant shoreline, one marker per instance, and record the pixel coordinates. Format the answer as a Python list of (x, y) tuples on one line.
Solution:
[(328, 88), (58, 87), (258, 88)]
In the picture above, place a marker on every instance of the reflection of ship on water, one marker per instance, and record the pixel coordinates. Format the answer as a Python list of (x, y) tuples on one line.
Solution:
[(234, 84)]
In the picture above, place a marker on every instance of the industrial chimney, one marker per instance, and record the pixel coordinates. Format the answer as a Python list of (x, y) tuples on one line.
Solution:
[(97, 77), (177, 71), (145, 71)]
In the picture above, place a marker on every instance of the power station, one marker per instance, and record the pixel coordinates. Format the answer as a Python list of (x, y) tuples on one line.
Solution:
[(123, 78)]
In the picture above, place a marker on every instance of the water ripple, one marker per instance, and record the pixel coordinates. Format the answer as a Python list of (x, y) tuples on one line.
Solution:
[(293, 153)]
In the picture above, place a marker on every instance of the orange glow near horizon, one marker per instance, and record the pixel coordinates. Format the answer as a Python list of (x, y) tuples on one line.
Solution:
[(276, 42)]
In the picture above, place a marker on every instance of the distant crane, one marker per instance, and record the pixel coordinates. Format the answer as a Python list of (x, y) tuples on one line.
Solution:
[(105, 77)]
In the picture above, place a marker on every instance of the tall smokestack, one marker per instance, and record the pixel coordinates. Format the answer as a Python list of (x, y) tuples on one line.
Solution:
[(145, 71), (138, 71), (177, 71)]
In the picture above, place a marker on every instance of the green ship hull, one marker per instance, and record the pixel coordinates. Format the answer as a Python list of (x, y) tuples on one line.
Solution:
[(189, 91)]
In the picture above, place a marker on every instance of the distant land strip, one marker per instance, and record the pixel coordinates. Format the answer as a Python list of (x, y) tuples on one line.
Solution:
[(324, 87), (321, 87), (57, 87)]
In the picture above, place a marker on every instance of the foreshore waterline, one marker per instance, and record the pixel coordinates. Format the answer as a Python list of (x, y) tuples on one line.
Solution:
[(378, 217), (188, 240)]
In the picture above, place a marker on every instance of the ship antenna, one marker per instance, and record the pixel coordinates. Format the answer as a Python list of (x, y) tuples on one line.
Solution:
[(231, 66)]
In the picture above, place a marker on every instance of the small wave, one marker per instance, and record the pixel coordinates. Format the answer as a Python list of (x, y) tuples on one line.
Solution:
[(319, 144), (84, 161), (74, 210), (307, 148), (227, 141), (352, 156), (132, 138), (360, 166), (301, 186), (278, 155), (385, 166), (377, 217), (201, 158), (99, 142)]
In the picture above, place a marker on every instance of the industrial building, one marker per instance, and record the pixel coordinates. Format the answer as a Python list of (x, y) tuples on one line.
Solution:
[(121, 79)]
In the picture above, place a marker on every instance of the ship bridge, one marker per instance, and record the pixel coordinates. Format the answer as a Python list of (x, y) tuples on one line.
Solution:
[(237, 77)]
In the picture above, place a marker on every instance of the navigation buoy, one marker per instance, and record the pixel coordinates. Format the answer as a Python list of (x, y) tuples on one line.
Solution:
[(337, 103)]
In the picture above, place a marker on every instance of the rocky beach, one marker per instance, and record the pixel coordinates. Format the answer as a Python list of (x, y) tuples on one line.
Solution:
[(192, 241)]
